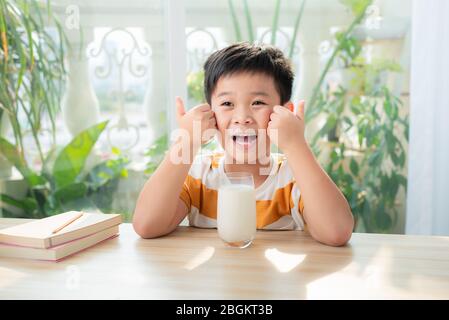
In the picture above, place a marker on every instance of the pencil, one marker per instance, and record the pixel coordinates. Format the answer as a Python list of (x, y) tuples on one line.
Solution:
[(79, 215)]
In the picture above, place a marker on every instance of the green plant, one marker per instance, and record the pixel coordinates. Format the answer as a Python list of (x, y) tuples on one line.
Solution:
[(156, 153), (103, 180), (32, 68), (274, 24), (195, 86), (62, 184), (364, 128), (346, 46)]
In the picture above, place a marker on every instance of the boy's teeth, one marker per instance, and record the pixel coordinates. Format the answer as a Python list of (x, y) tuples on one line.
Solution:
[(244, 139)]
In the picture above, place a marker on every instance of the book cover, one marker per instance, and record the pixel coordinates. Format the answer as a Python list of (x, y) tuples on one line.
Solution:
[(39, 233), (60, 251)]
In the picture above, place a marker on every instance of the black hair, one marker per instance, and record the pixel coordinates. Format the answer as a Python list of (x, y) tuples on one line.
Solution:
[(254, 58)]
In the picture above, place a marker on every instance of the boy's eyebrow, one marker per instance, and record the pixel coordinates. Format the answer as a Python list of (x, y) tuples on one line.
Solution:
[(254, 93), (224, 93), (260, 93)]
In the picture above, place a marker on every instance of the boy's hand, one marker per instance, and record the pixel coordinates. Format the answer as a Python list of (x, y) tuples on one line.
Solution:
[(288, 125), (201, 118)]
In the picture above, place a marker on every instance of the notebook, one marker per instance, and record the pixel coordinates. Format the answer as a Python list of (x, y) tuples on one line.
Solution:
[(38, 233), (60, 251)]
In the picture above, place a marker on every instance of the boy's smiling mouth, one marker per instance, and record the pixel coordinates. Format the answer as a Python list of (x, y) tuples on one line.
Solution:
[(245, 139)]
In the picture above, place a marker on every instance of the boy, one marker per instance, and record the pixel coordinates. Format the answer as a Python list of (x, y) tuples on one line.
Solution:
[(248, 89)]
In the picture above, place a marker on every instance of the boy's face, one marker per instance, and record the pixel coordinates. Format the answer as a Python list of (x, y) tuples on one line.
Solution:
[(243, 103)]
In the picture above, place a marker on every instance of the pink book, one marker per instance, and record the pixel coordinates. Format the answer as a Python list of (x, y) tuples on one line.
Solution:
[(39, 233), (60, 251)]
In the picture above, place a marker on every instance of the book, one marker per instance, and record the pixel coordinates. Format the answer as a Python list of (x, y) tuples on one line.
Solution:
[(60, 251), (39, 233)]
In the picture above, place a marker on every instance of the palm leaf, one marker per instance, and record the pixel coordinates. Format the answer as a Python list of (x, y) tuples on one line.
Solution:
[(70, 161)]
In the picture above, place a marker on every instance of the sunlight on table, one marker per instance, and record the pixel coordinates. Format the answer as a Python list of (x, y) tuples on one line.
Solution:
[(284, 262), (12, 277), (200, 258)]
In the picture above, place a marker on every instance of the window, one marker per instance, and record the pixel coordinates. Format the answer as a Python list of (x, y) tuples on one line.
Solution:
[(355, 82)]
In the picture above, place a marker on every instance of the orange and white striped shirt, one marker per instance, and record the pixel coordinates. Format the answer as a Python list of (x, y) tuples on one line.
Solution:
[(279, 203)]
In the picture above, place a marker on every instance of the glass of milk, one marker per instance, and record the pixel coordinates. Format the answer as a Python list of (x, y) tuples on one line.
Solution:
[(236, 212)]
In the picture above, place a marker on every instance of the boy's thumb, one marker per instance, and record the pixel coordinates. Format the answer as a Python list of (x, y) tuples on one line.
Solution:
[(300, 110), (180, 107)]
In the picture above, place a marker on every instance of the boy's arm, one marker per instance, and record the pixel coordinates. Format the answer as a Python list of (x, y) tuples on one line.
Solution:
[(159, 209), (326, 211)]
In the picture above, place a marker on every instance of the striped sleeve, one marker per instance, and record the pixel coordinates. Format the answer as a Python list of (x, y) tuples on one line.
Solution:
[(185, 195), (190, 193), (301, 207), (298, 207), (296, 201)]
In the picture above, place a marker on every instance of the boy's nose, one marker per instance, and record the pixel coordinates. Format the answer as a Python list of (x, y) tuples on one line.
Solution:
[(242, 116)]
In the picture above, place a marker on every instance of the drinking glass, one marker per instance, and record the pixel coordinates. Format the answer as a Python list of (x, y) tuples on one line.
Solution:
[(236, 212)]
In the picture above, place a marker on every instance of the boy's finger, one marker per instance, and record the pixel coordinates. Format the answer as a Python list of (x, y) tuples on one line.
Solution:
[(208, 114), (203, 107), (279, 109), (180, 107), (212, 123), (300, 111)]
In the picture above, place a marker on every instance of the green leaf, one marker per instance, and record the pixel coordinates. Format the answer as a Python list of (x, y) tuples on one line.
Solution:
[(388, 108), (235, 21), (361, 135), (391, 141), (329, 125), (402, 180), (71, 192), (395, 158), (348, 121), (334, 156), (12, 154), (375, 159), (158, 147), (354, 167), (295, 29), (274, 26), (106, 171), (383, 221), (70, 161), (406, 130), (394, 186), (27, 204), (249, 22), (349, 180), (356, 6), (355, 108), (116, 151)]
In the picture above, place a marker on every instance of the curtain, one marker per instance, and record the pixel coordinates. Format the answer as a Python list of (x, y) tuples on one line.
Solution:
[(428, 167)]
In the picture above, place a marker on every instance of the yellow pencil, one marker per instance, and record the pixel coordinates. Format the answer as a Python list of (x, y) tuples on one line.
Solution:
[(79, 215)]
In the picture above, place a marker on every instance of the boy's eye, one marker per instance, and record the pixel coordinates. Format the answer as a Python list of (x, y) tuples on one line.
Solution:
[(259, 103), (226, 104)]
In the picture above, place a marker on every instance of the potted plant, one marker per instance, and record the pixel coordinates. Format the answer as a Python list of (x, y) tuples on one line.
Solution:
[(31, 83), (32, 70), (364, 130)]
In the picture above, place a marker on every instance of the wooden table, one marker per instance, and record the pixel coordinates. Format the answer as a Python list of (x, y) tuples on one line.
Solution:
[(192, 263)]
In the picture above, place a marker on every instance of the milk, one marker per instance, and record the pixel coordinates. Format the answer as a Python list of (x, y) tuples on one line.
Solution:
[(236, 216)]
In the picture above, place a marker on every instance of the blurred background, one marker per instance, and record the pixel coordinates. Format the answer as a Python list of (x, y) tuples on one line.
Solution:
[(87, 98)]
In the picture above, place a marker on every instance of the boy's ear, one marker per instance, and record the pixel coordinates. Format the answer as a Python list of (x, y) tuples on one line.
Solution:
[(290, 106)]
